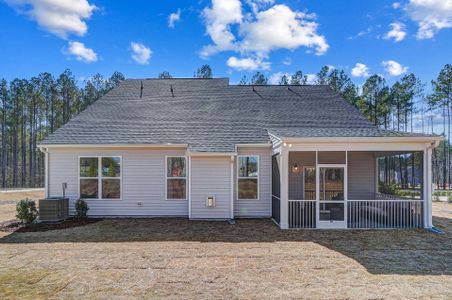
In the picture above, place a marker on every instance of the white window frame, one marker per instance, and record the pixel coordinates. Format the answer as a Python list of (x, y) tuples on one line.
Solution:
[(239, 177), (166, 177), (100, 177)]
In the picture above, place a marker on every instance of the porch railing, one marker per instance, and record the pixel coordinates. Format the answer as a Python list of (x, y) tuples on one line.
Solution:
[(302, 214), (364, 214), (396, 213)]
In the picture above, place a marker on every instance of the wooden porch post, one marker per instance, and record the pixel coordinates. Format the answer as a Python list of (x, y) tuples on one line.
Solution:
[(284, 184)]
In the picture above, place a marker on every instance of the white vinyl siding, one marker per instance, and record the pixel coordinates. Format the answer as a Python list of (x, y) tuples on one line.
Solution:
[(143, 180), (210, 177), (263, 206)]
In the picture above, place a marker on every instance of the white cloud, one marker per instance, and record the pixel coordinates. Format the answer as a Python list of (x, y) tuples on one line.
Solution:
[(260, 31), (393, 68), (431, 16), (361, 33), (287, 61), (360, 70), (140, 53), (280, 27), (58, 17), (275, 78), (249, 64), (396, 5), (259, 4), (311, 79), (81, 52), (219, 20), (174, 18), (397, 32)]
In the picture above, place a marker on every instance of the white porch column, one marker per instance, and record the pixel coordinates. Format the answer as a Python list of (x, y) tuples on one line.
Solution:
[(428, 181), (284, 185)]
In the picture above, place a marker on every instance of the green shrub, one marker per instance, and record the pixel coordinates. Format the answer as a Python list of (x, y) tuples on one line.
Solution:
[(81, 209), (389, 189), (26, 211)]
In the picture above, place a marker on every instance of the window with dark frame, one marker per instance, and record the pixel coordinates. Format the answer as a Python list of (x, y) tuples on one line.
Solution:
[(248, 178), (100, 177), (176, 178)]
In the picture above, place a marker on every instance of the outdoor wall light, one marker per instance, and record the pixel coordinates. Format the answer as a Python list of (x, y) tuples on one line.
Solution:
[(295, 168), (210, 201)]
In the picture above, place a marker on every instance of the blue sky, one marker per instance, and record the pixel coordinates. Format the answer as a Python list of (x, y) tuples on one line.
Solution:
[(275, 37)]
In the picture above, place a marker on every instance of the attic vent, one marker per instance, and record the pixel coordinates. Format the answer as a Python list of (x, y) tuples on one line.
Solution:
[(141, 90)]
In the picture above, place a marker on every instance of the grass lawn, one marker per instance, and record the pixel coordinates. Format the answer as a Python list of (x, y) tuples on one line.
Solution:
[(177, 258)]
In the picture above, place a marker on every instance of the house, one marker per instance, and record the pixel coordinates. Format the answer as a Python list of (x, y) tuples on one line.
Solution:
[(205, 149)]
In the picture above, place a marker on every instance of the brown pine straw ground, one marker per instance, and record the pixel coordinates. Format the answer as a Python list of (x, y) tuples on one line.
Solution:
[(177, 258)]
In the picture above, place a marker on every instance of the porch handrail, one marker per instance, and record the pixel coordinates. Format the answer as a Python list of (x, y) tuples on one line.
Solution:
[(301, 200), (387, 200)]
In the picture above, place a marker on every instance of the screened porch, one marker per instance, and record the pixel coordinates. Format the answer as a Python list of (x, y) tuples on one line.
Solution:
[(351, 189)]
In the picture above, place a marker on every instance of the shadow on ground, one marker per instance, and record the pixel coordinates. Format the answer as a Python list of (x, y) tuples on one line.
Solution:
[(418, 252)]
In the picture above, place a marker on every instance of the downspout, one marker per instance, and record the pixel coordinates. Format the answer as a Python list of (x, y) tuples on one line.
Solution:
[(232, 187), (189, 187), (46, 170)]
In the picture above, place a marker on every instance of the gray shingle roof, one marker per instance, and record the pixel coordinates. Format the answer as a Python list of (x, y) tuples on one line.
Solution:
[(208, 114)]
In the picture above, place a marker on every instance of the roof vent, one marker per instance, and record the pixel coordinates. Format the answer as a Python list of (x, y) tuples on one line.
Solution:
[(172, 91), (141, 90)]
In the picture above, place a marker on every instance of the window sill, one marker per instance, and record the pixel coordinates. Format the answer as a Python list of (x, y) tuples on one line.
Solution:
[(247, 199)]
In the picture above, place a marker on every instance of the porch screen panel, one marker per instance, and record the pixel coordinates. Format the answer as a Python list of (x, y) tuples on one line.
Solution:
[(276, 189)]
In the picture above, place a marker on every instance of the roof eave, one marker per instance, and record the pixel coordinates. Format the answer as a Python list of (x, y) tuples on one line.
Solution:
[(392, 139)]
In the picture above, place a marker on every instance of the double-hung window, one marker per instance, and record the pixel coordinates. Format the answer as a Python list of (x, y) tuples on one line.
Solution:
[(100, 177), (176, 178), (248, 178)]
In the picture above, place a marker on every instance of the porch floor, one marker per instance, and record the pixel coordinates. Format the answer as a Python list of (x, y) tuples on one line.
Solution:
[(178, 258)]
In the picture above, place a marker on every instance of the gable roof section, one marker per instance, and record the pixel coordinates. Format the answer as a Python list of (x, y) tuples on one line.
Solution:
[(208, 114)]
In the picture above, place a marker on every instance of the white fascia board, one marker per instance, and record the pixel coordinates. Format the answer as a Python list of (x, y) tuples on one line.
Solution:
[(407, 139), (188, 153), (267, 145), (113, 145)]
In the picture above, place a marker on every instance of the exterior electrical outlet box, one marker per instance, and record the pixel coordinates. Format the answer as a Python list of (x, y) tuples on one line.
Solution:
[(210, 202)]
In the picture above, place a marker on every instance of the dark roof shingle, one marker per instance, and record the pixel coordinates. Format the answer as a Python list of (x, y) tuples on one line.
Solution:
[(207, 114)]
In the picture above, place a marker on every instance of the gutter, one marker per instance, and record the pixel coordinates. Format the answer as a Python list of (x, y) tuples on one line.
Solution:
[(362, 139), (168, 145), (190, 153)]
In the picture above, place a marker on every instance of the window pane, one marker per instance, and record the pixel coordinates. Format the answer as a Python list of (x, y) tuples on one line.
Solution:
[(89, 188), (176, 167), (247, 189), (248, 166), (175, 189), (111, 166), (88, 166), (111, 188)]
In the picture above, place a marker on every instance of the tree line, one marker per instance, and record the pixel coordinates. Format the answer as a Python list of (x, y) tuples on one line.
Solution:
[(30, 109)]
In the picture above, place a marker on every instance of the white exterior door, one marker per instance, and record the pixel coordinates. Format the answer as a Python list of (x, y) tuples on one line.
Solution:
[(331, 196)]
